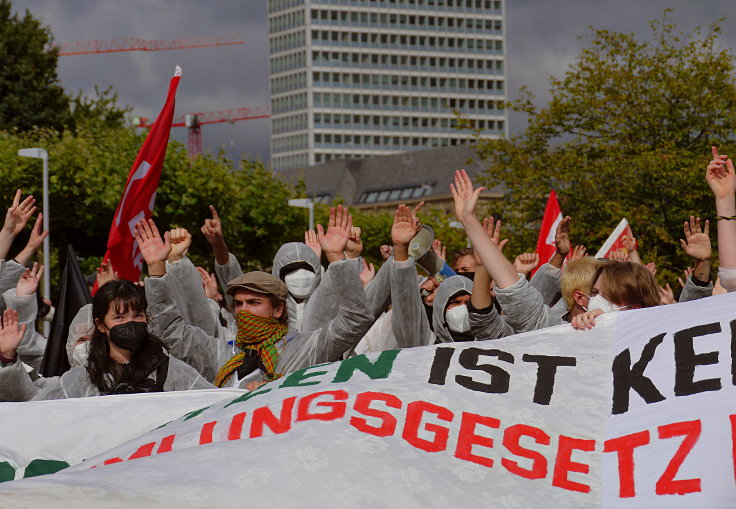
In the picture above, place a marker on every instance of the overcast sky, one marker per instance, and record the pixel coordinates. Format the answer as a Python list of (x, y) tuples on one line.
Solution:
[(542, 40)]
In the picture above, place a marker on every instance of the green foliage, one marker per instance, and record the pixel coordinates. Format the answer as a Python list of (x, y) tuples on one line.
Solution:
[(627, 133), (30, 94)]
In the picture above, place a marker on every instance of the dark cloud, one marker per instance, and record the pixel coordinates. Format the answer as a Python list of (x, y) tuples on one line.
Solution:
[(542, 40)]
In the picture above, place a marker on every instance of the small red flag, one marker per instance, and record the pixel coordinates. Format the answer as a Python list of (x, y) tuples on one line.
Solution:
[(615, 240), (552, 217), (140, 192)]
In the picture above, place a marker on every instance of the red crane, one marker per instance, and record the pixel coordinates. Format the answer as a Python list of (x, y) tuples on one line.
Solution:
[(194, 121), (135, 44)]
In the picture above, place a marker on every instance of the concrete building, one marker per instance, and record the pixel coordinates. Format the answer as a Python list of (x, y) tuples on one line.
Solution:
[(357, 78)]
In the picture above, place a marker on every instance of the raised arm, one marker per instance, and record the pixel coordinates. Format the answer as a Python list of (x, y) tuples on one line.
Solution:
[(466, 200), (721, 178), (15, 220), (697, 245), (189, 344), (35, 241)]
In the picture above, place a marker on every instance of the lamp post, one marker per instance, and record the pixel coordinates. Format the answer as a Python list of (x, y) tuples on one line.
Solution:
[(304, 203), (39, 153)]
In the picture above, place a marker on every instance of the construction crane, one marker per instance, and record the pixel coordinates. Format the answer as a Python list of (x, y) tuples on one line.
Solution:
[(194, 122), (135, 44)]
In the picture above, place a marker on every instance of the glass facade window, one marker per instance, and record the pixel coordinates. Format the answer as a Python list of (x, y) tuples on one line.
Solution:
[(355, 78)]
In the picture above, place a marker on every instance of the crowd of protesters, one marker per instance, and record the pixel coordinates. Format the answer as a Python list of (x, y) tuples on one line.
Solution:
[(175, 330)]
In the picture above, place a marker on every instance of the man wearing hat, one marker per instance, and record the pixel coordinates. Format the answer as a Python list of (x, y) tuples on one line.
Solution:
[(264, 349)]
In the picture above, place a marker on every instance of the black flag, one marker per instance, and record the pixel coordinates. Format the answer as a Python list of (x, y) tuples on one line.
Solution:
[(73, 294)]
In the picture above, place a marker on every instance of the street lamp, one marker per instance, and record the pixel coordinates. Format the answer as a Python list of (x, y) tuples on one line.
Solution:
[(39, 153), (304, 203)]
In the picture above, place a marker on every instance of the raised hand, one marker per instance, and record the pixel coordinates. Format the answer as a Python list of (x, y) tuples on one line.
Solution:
[(354, 246), (10, 334), (464, 196), (368, 273), (697, 240), (106, 273), (526, 262), (619, 255), (386, 251), (28, 282), (310, 239), (181, 240), (652, 268), (720, 175), (406, 226), (578, 252), (493, 232), (154, 249), (35, 241), (629, 243), (209, 283), (212, 228), (338, 232), (666, 295), (687, 273), (562, 239), (18, 214), (439, 249)]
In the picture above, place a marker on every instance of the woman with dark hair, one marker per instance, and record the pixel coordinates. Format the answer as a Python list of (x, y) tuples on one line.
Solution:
[(124, 357)]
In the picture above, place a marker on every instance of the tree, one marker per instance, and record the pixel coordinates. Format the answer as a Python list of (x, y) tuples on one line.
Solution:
[(30, 94), (627, 133)]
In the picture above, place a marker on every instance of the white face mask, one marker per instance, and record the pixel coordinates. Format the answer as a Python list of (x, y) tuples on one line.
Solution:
[(457, 319), (300, 283), (80, 354), (600, 302)]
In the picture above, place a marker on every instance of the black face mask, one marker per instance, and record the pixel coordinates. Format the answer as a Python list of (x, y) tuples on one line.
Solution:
[(469, 275), (129, 335)]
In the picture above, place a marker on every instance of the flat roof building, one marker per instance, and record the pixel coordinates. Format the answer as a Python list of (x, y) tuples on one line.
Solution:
[(357, 78)]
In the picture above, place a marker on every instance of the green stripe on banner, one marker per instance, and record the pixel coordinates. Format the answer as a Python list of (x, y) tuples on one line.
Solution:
[(43, 467), (7, 473)]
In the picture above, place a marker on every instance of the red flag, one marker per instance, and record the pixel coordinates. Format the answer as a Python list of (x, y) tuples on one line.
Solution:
[(140, 192), (615, 240), (552, 217)]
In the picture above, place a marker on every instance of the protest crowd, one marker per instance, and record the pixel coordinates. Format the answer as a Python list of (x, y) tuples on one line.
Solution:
[(182, 328)]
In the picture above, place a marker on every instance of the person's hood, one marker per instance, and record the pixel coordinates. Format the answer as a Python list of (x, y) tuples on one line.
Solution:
[(296, 252), (447, 290), (81, 326)]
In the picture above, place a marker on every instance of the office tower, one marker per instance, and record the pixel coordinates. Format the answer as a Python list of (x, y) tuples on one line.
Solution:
[(356, 78)]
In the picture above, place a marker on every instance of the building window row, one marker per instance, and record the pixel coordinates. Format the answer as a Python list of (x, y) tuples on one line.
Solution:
[(407, 21), (289, 143), (280, 5), (290, 161), (290, 123), (394, 143), (477, 5), (410, 103), (286, 42), (406, 42), (288, 62), (396, 193), (404, 82), (286, 21), (289, 103), (404, 123), (289, 82), (408, 63)]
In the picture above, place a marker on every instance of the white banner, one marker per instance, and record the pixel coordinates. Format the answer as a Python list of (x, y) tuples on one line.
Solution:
[(638, 412)]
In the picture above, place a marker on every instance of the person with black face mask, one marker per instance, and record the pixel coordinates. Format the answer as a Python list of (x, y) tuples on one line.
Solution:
[(124, 357)]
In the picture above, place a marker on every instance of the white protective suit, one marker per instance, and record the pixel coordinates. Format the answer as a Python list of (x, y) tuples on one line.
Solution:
[(409, 319), (296, 349), (288, 254)]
